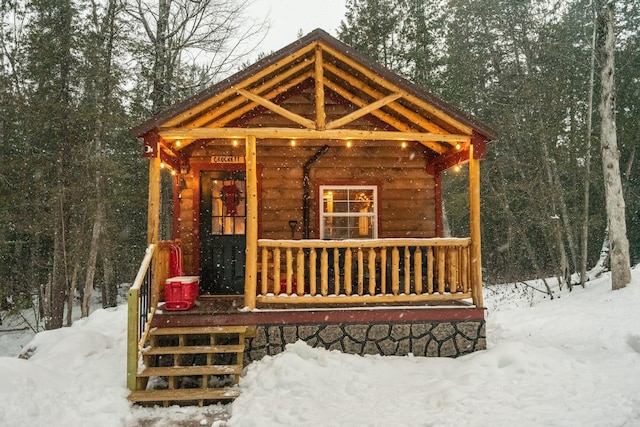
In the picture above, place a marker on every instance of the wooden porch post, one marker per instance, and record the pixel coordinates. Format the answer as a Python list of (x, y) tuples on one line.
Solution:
[(153, 213), (474, 227), (251, 264)]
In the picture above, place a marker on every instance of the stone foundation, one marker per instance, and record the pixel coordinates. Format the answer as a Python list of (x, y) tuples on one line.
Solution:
[(432, 339)]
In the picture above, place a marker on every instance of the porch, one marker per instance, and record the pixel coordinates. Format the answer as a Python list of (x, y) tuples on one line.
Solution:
[(387, 297)]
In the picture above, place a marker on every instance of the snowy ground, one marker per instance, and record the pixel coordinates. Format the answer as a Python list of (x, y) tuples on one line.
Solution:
[(570, 361)]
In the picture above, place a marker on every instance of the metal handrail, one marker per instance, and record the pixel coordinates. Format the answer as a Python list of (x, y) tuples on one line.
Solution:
[(140, 313)]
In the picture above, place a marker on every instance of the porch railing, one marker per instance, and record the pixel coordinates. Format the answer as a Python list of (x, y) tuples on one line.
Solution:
[(142, 302), (362, 271)]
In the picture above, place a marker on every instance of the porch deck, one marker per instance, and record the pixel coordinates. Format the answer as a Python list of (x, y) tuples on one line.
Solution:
[(227, 310)]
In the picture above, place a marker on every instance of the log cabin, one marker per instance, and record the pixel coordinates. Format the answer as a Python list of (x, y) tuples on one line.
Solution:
[(307, 205)]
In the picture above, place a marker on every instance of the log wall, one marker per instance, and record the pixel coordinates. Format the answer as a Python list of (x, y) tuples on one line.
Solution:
[(406, 192)]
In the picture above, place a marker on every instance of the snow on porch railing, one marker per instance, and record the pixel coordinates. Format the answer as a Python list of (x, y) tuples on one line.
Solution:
[(364, 271)]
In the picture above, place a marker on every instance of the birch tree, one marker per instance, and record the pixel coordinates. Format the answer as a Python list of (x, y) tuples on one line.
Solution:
[(619, 254)]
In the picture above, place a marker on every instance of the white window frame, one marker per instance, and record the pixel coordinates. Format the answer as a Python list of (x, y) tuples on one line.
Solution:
[(373, 215)]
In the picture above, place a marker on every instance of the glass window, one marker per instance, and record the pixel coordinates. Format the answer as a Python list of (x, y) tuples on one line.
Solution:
[(228, 210), (348, 212)]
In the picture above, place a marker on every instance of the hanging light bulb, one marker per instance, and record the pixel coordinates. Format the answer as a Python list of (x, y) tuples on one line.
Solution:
[(162, 165), (458, 146), (293, 142), (178, 143), (348, 143), (235, 142), (404, 144), (456, 168)]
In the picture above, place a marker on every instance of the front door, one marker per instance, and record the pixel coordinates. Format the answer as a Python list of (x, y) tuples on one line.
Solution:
[(222, 232)]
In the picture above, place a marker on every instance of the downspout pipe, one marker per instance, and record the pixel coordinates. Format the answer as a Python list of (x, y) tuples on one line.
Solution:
[(306, 190)]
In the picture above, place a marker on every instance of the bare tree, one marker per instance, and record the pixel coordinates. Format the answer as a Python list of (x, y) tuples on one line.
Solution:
[(587, 165), (212, 33), (619, 255)]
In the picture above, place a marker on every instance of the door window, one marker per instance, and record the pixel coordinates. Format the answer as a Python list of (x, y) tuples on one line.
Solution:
[(228, 210)]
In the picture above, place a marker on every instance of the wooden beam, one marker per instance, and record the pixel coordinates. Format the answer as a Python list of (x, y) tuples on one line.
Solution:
[(251, 235), (411, 115), (288, 133), (377, 79), (474, 229), (218, 112), (216, 98), (359, 301), (250, 106), (153, 210), (344, 93), (437, 178), (373, 243), (180, 144), (355, 115), (450, 159), (296, 118), (319, 79)]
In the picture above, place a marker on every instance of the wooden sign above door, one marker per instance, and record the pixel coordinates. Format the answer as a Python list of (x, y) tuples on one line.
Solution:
[(227, 159)]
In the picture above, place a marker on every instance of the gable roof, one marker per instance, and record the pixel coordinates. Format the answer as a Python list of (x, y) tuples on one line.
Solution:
[(408, 111)]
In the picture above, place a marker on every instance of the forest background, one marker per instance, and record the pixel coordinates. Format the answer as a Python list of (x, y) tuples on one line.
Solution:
[(76, 75)]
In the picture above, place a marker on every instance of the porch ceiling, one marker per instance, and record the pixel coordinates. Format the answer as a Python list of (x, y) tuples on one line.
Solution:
[(330, 71)]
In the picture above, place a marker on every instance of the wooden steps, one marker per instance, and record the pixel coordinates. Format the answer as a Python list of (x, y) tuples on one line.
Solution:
[(183, 395), (191, 365)]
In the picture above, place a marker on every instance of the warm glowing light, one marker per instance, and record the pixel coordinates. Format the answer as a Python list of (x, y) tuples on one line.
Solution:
[(162, 165), (404, 144), (235, 142), (458, 146), (173, 172), (457, 168), (178, 143), (293, 142), (348, 144)]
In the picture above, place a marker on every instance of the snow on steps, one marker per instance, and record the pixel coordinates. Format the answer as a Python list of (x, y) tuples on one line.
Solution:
[(191, 365)]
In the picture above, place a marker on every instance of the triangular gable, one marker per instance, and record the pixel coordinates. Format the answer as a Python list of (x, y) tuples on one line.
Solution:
[(334, 71)]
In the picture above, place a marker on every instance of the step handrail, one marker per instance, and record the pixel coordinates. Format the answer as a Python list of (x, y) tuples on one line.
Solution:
[(140, 313)]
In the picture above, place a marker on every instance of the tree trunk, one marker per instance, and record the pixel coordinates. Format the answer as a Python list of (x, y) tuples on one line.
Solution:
[(620, 263), (556, 226), (603, 259), (55, 291), (109, 287), (93, 256), (72, 291), (587, 165), (159, 94), (514, 223)]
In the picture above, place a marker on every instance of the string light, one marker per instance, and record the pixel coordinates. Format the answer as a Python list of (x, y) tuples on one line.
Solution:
[(162, 165), (456, 168), (178, 143), (458, 146), (348, 144), (404, 144), (293, 142), (173, 172), (235, 142)]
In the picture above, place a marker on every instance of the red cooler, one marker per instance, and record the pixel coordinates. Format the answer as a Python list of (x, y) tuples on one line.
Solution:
[(181, 292)]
